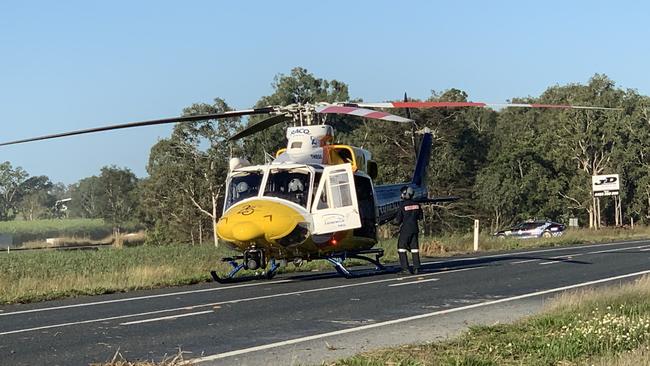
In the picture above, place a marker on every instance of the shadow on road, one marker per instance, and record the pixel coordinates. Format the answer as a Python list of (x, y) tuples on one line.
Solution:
[(443, 266)]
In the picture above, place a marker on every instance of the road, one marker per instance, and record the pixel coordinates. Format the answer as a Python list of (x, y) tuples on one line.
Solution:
[(288, 317)]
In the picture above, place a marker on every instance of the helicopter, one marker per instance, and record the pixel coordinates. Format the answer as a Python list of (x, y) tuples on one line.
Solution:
[(316, 199)]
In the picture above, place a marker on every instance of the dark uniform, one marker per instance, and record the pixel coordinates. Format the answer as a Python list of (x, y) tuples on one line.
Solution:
[(408, 216)]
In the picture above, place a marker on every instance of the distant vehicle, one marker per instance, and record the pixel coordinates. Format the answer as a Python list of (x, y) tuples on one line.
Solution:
[(533, 229)]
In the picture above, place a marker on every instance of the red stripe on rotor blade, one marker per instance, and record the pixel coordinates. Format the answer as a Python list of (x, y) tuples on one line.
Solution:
[(436, 104), (338, 109), (377, 115)]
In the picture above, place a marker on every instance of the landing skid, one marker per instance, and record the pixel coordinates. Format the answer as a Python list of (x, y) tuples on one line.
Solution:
[(230, 277), (337, 260)]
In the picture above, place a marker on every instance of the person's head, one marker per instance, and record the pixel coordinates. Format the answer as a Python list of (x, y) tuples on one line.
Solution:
[(407, 193), (296, 186), (241, 187)]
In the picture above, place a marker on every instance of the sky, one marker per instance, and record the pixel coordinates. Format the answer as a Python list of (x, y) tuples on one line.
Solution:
[(70, 65)]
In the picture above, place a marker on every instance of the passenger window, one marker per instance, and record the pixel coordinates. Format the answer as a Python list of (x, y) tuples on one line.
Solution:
[(340, 188)]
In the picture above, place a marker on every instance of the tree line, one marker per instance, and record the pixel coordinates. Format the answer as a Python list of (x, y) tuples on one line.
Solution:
[(112, 195), (506, 165)]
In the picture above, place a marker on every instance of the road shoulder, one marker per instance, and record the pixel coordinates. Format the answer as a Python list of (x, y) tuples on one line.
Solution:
[(431, 329)]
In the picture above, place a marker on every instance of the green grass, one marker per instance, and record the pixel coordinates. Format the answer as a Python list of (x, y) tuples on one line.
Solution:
[(39, 230), (605, 326), (42, 275)]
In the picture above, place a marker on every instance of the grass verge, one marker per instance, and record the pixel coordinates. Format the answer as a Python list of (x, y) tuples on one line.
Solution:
[(606, 326), (119, 360), (44, 275)]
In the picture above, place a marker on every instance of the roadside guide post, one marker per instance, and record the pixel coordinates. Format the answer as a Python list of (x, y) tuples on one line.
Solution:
[(476, 235)]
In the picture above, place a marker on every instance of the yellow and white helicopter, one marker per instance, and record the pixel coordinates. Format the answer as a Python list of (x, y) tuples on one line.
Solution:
[(316, 199)]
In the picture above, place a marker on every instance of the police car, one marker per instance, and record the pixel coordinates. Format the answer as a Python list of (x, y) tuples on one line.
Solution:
[(533, 229)]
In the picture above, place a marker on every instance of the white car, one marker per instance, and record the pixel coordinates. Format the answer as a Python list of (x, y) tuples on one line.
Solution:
[(533, 229)]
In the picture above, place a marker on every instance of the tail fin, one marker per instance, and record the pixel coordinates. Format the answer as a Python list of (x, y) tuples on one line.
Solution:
[(420, 173)]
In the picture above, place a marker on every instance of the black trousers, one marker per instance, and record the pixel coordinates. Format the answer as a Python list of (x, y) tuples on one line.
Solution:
[(408, 242)]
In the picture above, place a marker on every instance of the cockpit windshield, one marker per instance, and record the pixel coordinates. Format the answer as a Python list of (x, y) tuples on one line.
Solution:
[(292, 185), (243, 185)]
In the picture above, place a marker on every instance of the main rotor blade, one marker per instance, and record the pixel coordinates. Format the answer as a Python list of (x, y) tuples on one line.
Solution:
[(472, 104), (200, 117), (259, 126), (361, 112)]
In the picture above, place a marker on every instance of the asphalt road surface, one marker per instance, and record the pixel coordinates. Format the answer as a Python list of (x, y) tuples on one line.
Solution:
[(288, 319)]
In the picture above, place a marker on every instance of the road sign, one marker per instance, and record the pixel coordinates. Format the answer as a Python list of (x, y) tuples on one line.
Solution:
[(605, 185)]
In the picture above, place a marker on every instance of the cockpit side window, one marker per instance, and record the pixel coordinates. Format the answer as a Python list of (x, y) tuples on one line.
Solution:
[(290, 185), (243, 185)]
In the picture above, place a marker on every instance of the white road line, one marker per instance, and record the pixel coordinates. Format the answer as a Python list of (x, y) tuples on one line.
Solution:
[(402, 320), (552, 262), (570, 256), (171, 317), (143, 297), (526, 261), (564, 258), (439, 273), (300, 292), (538, 251), (414, 282), (616, 249), (75, 323), (95, 303), (235, 301), (645, 250), (560, 259)]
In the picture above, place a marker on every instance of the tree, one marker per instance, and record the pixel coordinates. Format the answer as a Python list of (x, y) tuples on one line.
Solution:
[(547, 157), (11, 180), (188, 172), (586, 141), (85, 198), (36, 199), (118, 197)]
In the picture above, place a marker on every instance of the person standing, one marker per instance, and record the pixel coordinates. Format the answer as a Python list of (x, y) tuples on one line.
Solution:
[(407, 218)]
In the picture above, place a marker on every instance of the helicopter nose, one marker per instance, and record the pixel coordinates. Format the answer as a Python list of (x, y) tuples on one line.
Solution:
[(258, 220), (246, 231)]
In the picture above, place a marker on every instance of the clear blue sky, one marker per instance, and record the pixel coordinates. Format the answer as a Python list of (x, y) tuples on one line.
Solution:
[(77, 64)]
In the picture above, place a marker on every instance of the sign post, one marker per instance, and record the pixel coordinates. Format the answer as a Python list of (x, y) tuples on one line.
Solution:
[(602, 186)]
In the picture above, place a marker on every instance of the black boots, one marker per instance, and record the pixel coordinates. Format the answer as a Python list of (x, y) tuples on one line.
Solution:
[(416, 262), (404, 263)]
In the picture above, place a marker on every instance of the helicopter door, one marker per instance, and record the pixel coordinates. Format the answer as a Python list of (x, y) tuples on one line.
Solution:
[(335, 206)]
